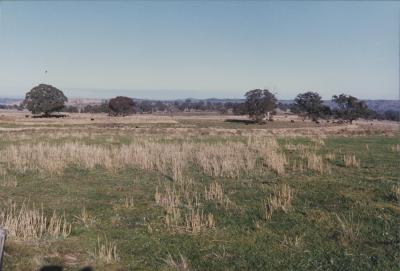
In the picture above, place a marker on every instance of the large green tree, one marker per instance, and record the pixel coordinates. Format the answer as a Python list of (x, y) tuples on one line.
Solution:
[(121, 106), (260, 103), (311, 105), (349, 108), (44, 99)]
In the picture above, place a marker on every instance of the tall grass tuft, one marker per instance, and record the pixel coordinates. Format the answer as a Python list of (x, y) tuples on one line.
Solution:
[(196, 221), (170, 200), (85, 218), (214, 192), (330, 156), (281, 199), (315, 162), (351, 161), (8, 181), (225, 160), (292, 242), (349, 229), (106, 251), (395, 192), (129, 201), (268, 149), (395, 148), (30, 223), (181, 264)]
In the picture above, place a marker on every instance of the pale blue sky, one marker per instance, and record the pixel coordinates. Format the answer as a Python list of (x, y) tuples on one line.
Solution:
[(200, 49)]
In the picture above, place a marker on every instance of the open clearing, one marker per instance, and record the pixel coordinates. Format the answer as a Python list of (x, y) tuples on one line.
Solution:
[(198, 193)]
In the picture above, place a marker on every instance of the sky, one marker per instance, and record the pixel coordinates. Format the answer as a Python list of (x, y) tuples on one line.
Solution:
[(200, 49)]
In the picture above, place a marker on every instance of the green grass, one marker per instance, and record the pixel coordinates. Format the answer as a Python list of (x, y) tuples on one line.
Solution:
[(242, 238)]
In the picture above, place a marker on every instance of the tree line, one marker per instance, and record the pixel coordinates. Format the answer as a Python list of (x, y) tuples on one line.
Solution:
[(260, 104), (148, 106)]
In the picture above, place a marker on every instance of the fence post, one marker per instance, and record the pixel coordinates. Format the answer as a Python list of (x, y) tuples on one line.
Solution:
[(3, 235)]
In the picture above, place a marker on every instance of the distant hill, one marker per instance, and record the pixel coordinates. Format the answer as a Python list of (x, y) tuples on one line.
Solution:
[(383, 105), (376, 105), (84, 101), (71, 101), (10, 101)]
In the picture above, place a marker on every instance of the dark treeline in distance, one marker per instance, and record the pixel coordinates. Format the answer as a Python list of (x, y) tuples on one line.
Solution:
[(221, 107), (260, 105)]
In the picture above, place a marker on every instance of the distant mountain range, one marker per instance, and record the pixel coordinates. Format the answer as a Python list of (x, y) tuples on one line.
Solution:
[(383, 105), (377, 105), (10, 101)]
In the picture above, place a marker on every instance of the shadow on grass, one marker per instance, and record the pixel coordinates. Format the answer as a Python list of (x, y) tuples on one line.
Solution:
[(44, 116), (247, 122)]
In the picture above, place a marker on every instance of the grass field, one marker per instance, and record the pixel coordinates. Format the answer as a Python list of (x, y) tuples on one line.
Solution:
[(192, 193)]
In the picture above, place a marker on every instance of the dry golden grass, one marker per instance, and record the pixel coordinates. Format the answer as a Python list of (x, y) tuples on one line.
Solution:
[(281, 199), (129, 201), (181, 205), (7, 180), (230, 159), (168, 159), (173, 218), (318, 141), (351, 161), (85, 218), (225, 160), (315, 162), (30, 223), (196, 221), (349, 229), (330, 156), (106, 251), (297, 147), (188, 193), (268, 149), (275, 161), (181, 264), (298, 166), (395, 192), (171, 159), (170, 200), (395, 148), (292, 242), (214, 192)]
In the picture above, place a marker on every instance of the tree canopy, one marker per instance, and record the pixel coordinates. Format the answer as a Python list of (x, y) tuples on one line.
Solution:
[(44, 99), (349, 108), (311, 104), (259, 103), (121, 106)]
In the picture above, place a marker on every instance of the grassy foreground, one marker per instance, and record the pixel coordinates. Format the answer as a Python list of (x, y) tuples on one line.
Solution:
[(123, 199)]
